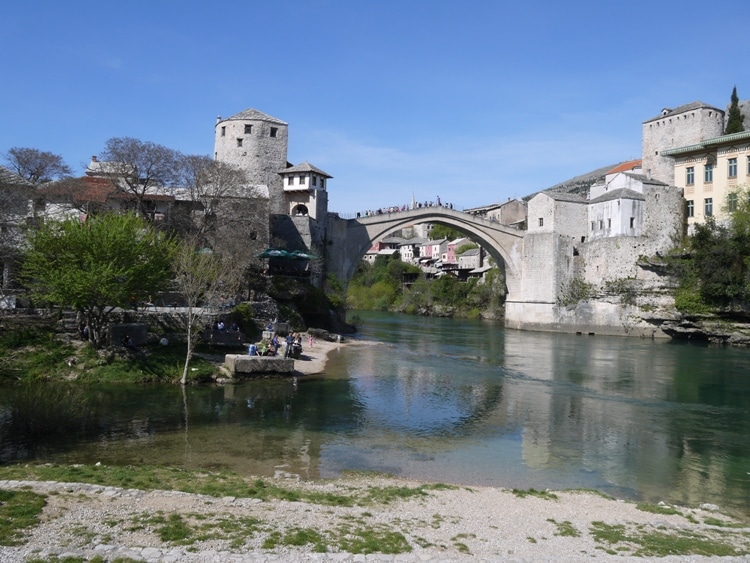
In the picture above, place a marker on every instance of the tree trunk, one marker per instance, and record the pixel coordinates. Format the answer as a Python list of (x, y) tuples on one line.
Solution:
[(189, 354)]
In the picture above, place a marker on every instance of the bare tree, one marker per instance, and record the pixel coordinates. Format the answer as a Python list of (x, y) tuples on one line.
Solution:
[(229, 215), (199, 276), (15, 195), (140, 167), (37, 166)]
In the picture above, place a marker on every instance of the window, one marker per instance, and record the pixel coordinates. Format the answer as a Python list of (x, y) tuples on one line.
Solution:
[(732, 168), (632, 222), (732, 202), (322, 183), (541, 221), (239, 141), (708, 206), (748, 165), (301, 180), (593, 225), (708, 173), (248, 129), (223, 131), (273, 131), (609, 223), (690, 208), (601, 225), (690, 175), (314, 180), (290, 181)]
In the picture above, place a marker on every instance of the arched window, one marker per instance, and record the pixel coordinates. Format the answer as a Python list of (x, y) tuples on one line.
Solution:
[(299, 210)]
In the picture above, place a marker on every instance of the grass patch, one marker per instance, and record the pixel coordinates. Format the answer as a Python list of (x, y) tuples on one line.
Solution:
[(19, 510), (565, 528), (658, 543), (523, 493), (658, 509), (215, 484), (39, 355)]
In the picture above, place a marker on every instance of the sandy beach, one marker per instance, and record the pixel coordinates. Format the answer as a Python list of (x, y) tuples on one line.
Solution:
[(313, 360), (387, 519)]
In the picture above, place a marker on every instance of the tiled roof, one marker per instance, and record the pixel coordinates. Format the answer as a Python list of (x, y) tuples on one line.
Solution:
[(304, 167), (254, 114), (92, 189), (626, 166), (643, 179), (565, 196), (10, 178), (622, 193), (666, 112)]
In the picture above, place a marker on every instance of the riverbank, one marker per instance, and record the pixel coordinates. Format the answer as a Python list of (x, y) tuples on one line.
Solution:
[(367, 518)]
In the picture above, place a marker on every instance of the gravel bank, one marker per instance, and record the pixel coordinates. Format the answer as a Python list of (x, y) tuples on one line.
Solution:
[(445, 524)]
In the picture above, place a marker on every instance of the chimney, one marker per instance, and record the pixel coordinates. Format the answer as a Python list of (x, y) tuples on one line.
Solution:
[(218, 118), (93, 159)]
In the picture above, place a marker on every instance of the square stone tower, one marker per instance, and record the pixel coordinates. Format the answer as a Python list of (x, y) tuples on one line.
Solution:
[(257, 143), (672, 128)]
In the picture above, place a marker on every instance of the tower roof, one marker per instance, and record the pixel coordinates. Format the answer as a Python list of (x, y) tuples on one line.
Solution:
[(253, 114), (682, 109), (305, 167)]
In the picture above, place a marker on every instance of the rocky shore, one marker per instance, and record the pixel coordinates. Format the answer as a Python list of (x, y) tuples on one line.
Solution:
[(436, 523)]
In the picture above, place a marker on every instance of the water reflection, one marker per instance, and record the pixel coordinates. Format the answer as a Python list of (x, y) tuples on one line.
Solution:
[(449, 400)]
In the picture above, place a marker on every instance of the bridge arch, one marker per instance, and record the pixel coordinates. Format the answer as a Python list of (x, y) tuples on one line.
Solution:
[(350, 239)]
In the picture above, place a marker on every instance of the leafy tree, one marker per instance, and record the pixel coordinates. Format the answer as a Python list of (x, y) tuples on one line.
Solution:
[(139, 167), (199, 276), (95, 266), (439, 232), (37, 166), (734, 117), (718, 271)]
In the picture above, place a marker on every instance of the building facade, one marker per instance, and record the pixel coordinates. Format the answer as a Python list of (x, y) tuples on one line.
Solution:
[(711, 173)]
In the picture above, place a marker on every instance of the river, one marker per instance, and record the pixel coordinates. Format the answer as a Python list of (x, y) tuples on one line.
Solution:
[(448, 400)]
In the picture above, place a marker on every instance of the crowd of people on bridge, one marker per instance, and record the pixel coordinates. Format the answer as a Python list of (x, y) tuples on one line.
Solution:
[(405, 207)]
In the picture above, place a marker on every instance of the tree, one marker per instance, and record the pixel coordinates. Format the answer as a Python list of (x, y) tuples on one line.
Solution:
[(439, 232), (140, 167), (15, 194), (228, 215), (734, 117), (37, 166), (199, 276), (95, 266)]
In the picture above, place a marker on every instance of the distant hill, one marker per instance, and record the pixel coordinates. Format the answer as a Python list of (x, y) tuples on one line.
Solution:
[(580, 184)]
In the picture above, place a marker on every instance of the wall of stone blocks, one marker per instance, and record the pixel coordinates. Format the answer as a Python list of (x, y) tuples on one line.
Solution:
[(672, 131)]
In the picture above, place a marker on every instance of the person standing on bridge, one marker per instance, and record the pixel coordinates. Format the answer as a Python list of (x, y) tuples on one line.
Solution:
[(438, 201)]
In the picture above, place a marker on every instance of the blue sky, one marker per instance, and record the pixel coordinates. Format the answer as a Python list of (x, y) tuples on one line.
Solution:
[(473, 101)]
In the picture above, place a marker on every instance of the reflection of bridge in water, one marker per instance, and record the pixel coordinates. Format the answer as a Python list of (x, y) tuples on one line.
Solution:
[(352, 238)]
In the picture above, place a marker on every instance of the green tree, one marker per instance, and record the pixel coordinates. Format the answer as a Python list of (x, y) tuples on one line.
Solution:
[(439, 232), (734, 117), (717, 273), (95, 266)]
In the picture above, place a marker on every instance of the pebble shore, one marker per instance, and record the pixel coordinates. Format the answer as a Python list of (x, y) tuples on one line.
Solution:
[(447, 524)]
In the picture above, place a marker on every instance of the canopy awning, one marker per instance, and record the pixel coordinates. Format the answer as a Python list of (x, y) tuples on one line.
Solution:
[(286, 254)]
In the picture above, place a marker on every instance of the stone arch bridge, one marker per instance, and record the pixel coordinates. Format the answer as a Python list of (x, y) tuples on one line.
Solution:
[(350, 239)]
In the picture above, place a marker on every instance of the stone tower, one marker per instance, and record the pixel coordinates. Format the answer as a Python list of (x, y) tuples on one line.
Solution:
[(257, 143), (679, 127)]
